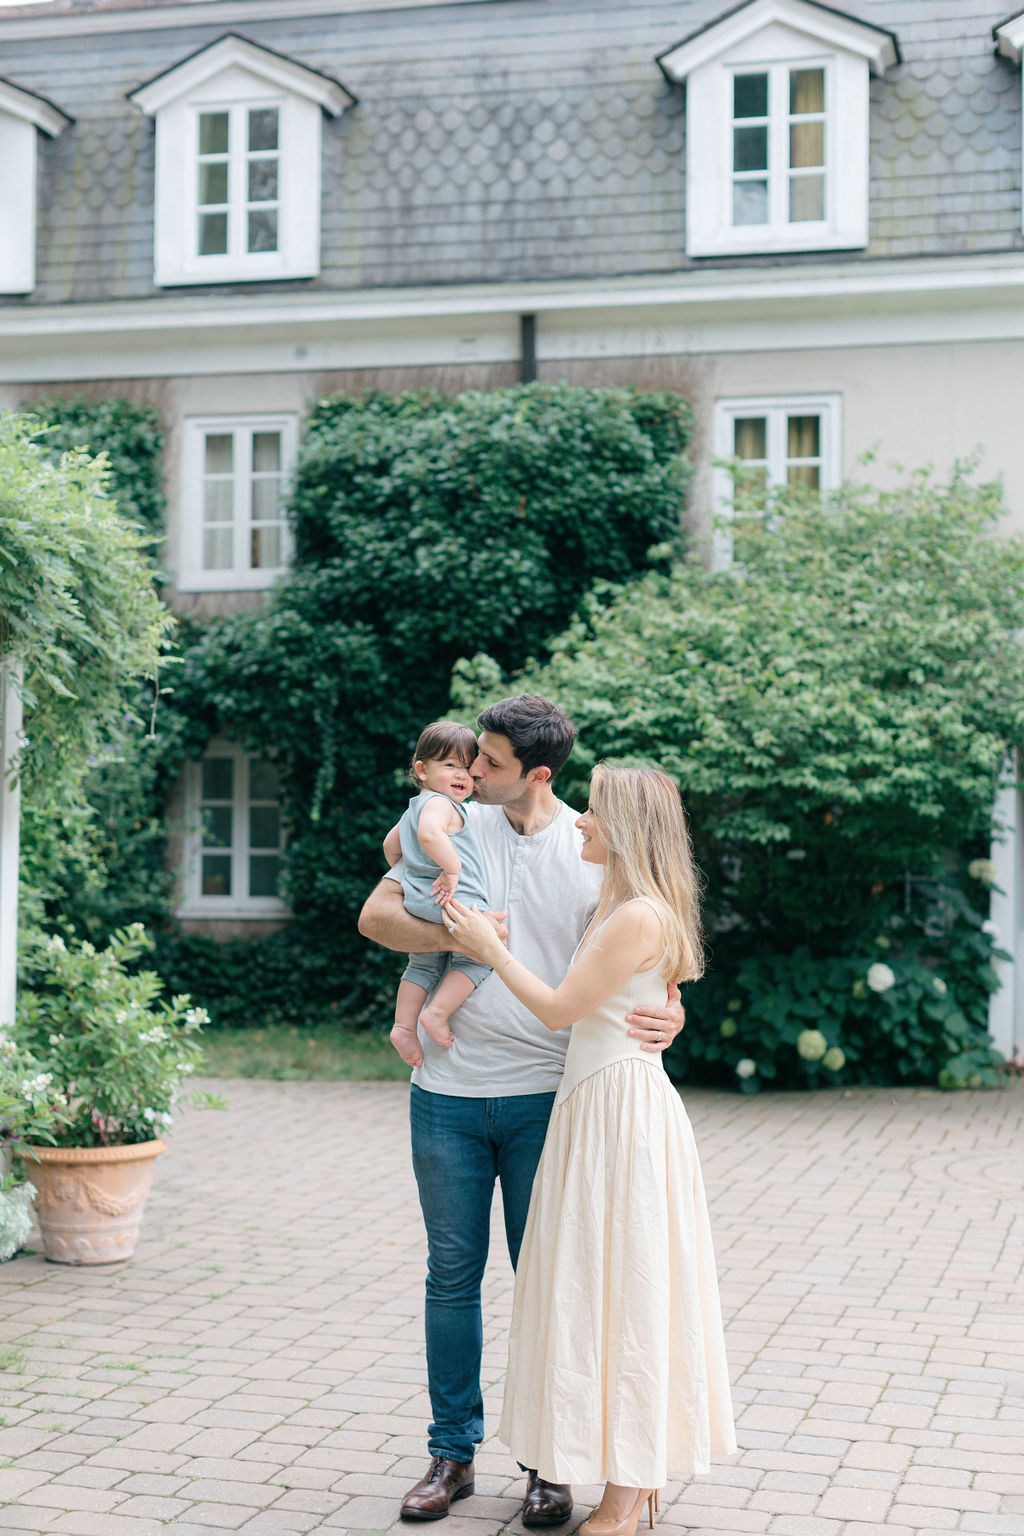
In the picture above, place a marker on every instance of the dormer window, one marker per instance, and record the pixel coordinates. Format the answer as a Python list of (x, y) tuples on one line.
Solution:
[(777, 128), (238, 137), (23, 116)]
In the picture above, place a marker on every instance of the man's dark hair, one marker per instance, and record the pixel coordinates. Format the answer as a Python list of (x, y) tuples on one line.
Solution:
[(540, 733)]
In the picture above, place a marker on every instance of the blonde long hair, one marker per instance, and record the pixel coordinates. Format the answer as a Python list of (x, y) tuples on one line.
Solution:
[(649, 854)]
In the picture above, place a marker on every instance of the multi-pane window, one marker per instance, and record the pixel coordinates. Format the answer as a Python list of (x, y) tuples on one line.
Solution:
[(779, 132), (773, 441), (238, 181), (782, 448), (235, 837), (235, 530)]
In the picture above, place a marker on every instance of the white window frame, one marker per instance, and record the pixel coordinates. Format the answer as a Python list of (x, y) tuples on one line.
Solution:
[(773, 37), (23, 116), (776, 409), (1009, 40), (193, 903), (235, 76), (241, 577), (779, 229)]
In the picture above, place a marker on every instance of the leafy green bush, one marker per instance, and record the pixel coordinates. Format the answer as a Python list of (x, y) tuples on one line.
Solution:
[(130, 436), (111, 1054), (78, 609), (836, 709)]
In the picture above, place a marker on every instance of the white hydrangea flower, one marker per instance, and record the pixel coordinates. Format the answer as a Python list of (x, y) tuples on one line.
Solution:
[(983, 870), (746, 1067), (880, 976), (834, 1059), (939, 985), (811, 1044), (992, 929)]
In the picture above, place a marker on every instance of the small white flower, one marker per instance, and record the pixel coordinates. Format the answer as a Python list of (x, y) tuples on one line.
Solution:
[(746, 1067), (881, 977), (196, 1016), (37, 1084), (56, 1039), (992, 929), (983, 870), (87, 948), (121, 1017), (149, 1114), (166, 1120), (55, 945), (7, 1046), (939, 985), (153, 1036)]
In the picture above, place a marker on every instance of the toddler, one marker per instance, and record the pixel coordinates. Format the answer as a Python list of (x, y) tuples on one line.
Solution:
[(436, 843)]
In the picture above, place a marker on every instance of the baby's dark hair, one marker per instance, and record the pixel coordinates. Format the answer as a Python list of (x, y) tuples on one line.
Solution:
[(443, 738)]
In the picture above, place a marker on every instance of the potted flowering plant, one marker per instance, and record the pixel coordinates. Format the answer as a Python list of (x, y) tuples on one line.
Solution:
[(109, 1056), (26, 1114)]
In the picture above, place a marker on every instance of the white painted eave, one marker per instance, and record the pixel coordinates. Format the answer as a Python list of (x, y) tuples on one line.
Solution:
[(822, 24), (33, 109), (1009, 36), (49, 22), (234, 51), (823, 305)]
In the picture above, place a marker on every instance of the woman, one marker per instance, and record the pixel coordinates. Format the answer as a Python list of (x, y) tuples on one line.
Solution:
[(617, 1368)]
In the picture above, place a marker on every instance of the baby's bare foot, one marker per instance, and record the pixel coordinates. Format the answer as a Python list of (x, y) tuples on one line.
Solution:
[(406, 1043), (436, 1026)]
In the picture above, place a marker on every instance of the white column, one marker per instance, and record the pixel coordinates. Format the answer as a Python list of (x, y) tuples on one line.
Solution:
[(10, 808), (1005, 1006)]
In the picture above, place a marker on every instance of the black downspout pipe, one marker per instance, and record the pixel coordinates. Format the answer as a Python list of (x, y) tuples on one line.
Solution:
[(527, 348)]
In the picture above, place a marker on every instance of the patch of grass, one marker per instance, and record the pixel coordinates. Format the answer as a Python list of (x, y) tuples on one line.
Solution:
[(290, 1054), (12, 1357)]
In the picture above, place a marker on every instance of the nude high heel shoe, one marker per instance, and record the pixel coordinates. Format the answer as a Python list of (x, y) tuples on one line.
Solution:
[(595, 1526)]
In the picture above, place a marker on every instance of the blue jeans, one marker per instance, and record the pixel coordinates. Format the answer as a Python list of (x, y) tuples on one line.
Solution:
[(459, 1147)]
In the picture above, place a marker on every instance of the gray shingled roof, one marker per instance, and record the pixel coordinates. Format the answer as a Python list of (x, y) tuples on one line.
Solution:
[(515, 139)]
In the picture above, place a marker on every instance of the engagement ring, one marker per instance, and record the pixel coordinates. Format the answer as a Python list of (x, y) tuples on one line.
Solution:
[(451, 927)]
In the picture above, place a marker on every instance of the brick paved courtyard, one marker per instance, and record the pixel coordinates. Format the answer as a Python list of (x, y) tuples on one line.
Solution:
[(257, 1368)]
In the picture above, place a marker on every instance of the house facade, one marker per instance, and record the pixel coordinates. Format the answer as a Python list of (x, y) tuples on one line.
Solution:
[(807, 219)]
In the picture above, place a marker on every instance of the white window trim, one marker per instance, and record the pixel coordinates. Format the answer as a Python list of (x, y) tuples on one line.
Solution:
[(760, 36), (234, 75), (193, 903), (241, 578), (776, 408), (23, 116), (1009, 40)]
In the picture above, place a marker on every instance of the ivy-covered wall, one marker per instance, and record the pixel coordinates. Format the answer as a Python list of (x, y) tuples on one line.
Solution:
[(427, 528)]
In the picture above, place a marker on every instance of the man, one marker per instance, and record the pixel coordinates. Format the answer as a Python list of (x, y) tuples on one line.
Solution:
[(479, 1110)]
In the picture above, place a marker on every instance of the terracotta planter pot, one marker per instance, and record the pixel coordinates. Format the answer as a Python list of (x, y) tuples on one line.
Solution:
[(89, 1200)]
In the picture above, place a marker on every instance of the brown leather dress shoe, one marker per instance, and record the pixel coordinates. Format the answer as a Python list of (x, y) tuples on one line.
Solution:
[(546, 1503), (433, 1495)]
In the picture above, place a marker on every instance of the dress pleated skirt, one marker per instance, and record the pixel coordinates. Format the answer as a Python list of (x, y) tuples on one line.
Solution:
[(617, 1368)]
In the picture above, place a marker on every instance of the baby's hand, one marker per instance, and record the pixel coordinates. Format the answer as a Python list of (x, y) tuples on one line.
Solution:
[(444, 887)]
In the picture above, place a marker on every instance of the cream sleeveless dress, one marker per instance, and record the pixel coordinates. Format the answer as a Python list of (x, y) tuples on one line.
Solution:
[(617, 1369)]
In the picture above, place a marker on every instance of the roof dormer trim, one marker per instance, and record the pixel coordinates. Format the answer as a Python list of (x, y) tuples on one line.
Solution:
[(1009, 37), (822, 23), (43, 114), (233, 50)]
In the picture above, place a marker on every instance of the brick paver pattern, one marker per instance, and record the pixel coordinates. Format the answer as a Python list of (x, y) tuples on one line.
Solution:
[(258, 1367)]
